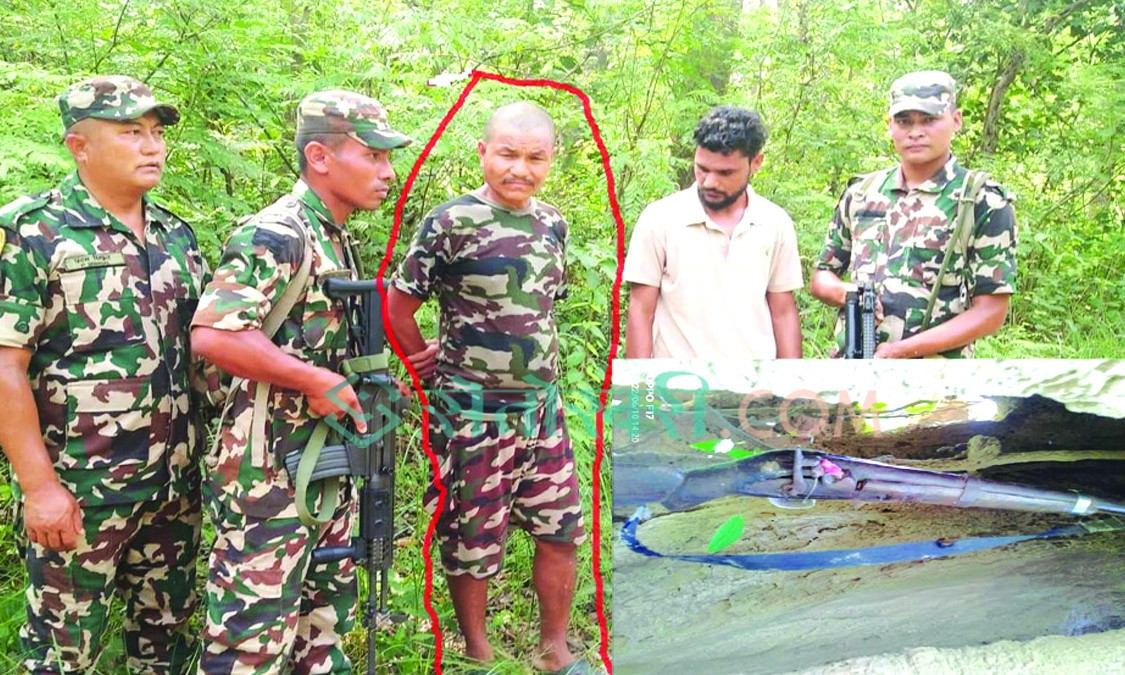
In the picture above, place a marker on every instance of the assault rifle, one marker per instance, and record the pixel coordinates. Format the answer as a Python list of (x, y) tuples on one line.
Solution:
[(800, 475), (369, 457), (859, 322)]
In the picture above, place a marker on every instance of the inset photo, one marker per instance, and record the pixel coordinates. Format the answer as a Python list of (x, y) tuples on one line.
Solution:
[(781, 517)]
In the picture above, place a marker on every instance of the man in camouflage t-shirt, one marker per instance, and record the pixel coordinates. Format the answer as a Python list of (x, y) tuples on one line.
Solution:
[(494, 259), (97, 286), (270, 608), (892, 227)]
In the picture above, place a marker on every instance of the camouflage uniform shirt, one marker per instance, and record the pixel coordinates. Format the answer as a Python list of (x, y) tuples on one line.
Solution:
[(895, 237), (260, 258), (106, 316), (497, 274)]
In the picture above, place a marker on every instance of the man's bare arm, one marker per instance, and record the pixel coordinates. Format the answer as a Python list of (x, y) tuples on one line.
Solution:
[(401, 308), (251, 354), (829, 288), (786, 324), (638, 322), (51, 513), (984, 318)]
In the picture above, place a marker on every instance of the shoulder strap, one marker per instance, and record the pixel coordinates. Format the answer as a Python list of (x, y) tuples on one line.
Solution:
[(962, 232), (270, 325)]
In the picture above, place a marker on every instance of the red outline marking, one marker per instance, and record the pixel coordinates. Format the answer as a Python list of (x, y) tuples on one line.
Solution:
[(476, 77)]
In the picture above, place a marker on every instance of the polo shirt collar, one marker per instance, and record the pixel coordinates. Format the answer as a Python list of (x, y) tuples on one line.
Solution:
[(693, 213)]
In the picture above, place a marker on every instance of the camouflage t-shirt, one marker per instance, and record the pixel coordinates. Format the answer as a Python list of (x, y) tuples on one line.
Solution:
[(260, 258), (496, 274), (896, 237), (106, 316)]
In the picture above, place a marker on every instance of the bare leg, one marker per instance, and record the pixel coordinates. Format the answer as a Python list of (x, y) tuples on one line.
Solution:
[(469, 597), (553, 574)]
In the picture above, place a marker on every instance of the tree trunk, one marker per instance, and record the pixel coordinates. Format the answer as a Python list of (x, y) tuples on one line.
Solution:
[(991, 133)]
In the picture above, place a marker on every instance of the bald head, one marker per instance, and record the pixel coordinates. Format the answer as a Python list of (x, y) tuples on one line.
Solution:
[(523, 117)]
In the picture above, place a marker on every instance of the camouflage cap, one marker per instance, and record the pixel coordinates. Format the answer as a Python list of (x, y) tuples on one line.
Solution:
[(930, 91), (344, 112), (112, 97)]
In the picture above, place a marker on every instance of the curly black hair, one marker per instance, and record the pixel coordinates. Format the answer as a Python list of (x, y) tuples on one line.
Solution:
[(728, 128)]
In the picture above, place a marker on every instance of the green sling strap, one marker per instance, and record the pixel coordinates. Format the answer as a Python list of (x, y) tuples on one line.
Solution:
[(963, 226), (963, 231), (330, 487), (357, 366), (270, 325)]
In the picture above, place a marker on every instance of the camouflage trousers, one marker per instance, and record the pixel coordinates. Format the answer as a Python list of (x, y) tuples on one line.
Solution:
[(501, 471), (269, 609), (146, 552)]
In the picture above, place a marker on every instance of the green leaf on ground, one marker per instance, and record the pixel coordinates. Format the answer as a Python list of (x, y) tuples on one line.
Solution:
[(727, 534)]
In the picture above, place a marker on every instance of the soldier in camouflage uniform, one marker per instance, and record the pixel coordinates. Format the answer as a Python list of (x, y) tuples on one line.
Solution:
[(891, 227), (494, 258), (268, 608), (97, 286)]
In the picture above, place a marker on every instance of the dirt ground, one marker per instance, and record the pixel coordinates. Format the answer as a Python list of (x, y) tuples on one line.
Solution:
[(930, 616)]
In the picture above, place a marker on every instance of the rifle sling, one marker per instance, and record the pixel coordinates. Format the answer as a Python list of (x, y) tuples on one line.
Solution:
[(872, 555), (329, 487), (964, 217), (296, 288)]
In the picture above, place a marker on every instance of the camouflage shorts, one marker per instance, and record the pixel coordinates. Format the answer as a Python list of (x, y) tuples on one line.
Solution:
[(512, 471), (146, 552)]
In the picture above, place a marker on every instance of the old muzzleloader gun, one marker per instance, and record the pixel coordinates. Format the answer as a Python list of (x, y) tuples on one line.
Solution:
[(368, 457), (797, 478), (802, 474)]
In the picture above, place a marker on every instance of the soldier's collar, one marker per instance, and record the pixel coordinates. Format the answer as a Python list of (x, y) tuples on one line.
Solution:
[(83, 210), (936, 183), (305, 194)]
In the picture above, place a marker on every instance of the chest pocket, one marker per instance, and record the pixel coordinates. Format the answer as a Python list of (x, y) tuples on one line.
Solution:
[(101, 298), (924, 254), (869, 254)]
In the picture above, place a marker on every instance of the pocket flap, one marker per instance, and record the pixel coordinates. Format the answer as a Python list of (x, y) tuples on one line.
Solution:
[(107, 396)]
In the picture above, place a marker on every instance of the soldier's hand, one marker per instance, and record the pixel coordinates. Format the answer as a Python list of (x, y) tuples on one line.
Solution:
[(425, 361), (52, 517), (329, 386), (889, 350)]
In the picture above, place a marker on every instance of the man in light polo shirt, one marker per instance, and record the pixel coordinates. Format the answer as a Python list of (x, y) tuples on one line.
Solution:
[(712, 268)]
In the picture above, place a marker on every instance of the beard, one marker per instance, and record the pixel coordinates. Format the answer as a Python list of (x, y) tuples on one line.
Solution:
[(724, 203)]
